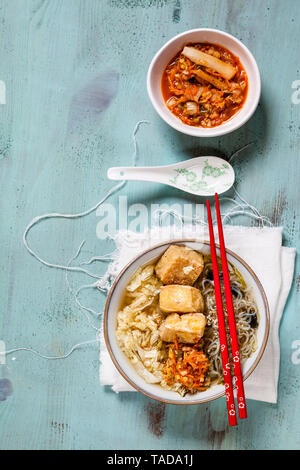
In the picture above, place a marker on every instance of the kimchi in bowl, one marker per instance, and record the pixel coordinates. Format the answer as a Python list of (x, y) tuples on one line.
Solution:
[(199, 97), (126, 332)]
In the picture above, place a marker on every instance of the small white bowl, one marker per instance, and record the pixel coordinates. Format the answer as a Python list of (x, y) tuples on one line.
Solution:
[(123, 364), (214, 36)]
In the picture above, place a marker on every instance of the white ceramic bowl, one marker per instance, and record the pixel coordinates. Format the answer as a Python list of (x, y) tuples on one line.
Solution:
[(123, 364), (171, 48)]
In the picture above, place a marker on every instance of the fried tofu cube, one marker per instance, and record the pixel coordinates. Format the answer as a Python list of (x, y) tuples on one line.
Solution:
[(180, 299), (179, 265), (188, 328)]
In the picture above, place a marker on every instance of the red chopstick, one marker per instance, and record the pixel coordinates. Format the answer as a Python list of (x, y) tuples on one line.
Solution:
[(231, 320), (221, 323)]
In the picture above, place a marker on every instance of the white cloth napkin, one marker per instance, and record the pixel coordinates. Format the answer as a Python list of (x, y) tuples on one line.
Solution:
[(262, 249)]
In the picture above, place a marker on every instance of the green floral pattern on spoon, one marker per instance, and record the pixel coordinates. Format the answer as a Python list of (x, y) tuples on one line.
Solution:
[(190, 179)]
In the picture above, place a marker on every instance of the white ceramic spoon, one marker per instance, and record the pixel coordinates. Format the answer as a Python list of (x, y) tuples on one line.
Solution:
[(203, 176)]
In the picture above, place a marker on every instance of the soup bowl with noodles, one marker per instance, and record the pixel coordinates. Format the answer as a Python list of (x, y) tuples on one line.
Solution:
[(161, 350)]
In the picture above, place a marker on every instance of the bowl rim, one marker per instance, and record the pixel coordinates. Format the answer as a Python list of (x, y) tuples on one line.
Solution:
[(200, 131), (107, 305)]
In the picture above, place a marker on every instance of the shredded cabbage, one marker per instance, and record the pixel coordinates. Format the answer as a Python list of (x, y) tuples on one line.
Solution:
[(138, 322)]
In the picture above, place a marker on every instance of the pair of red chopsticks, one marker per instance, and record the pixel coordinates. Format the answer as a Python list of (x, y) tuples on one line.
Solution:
[(231, 323)]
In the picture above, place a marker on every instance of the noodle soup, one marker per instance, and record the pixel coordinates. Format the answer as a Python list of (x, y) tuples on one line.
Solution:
[(180, 351)]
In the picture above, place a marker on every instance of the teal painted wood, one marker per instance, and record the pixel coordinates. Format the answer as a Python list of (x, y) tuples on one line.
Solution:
[(57, 139)]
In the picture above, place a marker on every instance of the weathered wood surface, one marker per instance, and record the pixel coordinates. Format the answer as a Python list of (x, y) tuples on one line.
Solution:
[(75, 87)]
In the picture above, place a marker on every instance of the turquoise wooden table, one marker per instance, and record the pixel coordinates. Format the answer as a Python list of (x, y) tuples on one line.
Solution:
[(72, 76)]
